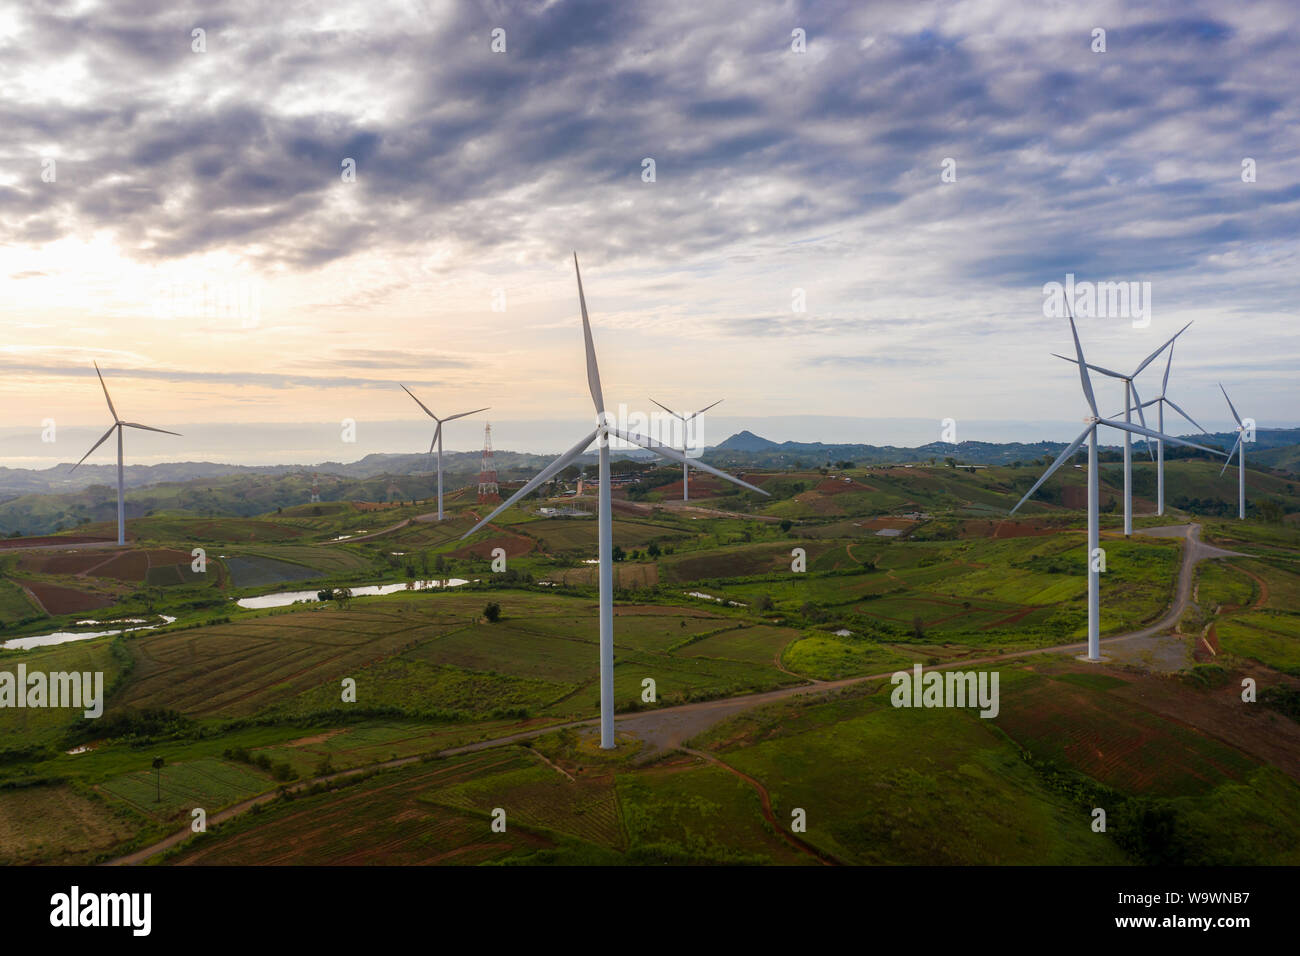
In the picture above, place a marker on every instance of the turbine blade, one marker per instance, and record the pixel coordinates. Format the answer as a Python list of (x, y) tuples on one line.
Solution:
[(463, 414), (1230, 405), (93, 447), (1069, 451), (1124, 426), (1095, 368), (434, 442), (543, 475), (1164, 386), (149, 428), (105, 388), (1138, 401), (420, 403), (707, 407), (593, 373), (1235, 446), (661, 449), (1142, 416), (1083, 366), (1152, 357), (1171, 404), (666, 408)]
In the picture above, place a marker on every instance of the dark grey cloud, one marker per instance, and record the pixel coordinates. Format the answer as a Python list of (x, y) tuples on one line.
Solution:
[(1059, 150)]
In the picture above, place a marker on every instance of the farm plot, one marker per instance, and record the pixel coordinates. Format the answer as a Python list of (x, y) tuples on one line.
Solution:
[(381, 820), (237, 669), (904, 786), (15, 605), (57, 599), (55, 825), (415, 686), (1111, 739), (209, 782), (698, 814), (202, 531), (760, 644), (33, 724), (645, 628), (250, 571), (827, 657), (1222, 584), (541, 798), (332, 561), (510, 648), (1272, 638)]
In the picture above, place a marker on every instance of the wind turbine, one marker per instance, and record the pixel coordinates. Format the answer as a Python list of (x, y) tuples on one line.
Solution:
[(601, 434), (1240, 448), (1160, 403), (437, 437), (686, 420), (1089, 434), (1131, 394), (118, 424)]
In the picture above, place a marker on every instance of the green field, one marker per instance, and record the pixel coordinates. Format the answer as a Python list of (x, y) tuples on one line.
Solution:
[(240, 703)]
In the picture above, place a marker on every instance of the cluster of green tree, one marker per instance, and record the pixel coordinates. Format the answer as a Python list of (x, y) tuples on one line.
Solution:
[(280, 771)]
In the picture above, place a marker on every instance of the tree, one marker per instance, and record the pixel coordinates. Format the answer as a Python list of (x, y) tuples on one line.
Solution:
[(619, 553), (492, 612), (786, 525), (653, 549), (157, 767), (342, 596)]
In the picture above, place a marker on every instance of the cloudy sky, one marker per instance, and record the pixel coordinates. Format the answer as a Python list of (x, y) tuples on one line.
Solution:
[(281, 217)]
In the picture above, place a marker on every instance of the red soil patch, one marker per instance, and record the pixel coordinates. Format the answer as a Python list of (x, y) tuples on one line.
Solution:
[(58, 563), (39, 541), (514, 547), (838, 486), (122, 565), (659, 610), (1028, 528), (134, 565), (61, 600), (882, 523), (702, 486)]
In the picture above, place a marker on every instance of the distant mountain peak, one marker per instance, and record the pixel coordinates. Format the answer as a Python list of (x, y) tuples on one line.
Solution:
[(747, 441)]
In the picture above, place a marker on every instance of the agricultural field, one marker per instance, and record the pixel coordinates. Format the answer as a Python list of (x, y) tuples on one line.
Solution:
[(360, 707)]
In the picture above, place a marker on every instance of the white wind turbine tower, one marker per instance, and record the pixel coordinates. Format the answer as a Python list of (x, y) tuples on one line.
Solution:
[(686, 421), (1160, 402), (1089, 434), (118, 424), (1130, 398), (601, 434), (1240, 448), (437, 437)]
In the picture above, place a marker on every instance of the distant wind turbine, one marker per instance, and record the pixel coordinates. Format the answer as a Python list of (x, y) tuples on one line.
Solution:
[(686, 420), (1089, 434), (1240, 448), (437, 437), (1130, 397), (1160, 402), (605, 532), (118, 424)]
